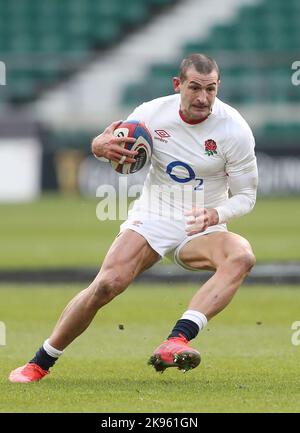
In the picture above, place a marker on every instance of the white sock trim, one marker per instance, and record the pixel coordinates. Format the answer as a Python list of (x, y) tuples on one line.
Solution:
[(55, 353), (196, 317)]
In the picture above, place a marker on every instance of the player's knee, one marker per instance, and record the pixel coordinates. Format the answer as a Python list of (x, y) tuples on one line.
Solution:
[(246, 261), (108, 285), (243, 262)]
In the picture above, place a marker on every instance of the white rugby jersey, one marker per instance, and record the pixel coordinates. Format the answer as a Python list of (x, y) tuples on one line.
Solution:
[(215, 155)]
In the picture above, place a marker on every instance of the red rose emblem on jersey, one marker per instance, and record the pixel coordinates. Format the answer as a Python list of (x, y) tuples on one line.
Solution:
[(210, 147)]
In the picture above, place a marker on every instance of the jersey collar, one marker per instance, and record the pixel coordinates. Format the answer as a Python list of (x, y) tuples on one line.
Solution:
[(191, 122)]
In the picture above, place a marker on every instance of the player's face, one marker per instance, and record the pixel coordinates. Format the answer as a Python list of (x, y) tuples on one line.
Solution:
[(198, 93)]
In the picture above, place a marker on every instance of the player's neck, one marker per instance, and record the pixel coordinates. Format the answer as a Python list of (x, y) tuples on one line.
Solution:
[(191, 121)]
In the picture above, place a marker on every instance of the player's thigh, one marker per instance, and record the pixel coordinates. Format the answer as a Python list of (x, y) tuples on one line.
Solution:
[(211, 250), (130, 254)]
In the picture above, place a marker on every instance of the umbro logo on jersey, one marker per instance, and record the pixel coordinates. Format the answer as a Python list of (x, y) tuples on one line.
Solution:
[(162, 135)]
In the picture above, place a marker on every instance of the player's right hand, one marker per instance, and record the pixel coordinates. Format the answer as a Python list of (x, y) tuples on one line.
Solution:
[(107, 145), (199, 219)]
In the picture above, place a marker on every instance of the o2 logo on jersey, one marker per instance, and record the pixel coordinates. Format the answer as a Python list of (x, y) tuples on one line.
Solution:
[(187, 174)]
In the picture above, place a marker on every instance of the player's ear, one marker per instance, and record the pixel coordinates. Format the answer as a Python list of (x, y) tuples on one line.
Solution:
[(176, 84)]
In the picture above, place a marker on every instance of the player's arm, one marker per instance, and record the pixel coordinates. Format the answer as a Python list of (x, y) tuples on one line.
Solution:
[(241, 169), (106, 146), (243, 189)]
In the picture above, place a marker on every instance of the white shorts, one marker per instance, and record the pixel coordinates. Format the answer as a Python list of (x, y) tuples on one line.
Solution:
[(164, 236)]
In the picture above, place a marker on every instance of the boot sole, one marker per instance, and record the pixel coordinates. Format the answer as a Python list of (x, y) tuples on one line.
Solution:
[(184, 361)]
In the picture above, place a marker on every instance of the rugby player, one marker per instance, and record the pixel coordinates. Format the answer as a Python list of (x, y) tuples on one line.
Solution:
[(198, 139)]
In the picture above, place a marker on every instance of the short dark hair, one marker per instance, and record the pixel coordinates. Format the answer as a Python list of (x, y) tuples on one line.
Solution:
[(201, 62)]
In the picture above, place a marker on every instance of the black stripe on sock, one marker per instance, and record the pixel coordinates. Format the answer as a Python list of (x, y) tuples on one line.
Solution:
[(42, 359), (187, 328)]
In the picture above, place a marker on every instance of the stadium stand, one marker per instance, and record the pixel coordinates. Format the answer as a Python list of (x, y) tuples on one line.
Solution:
[(254, 51), (76, 65), (43, 42)]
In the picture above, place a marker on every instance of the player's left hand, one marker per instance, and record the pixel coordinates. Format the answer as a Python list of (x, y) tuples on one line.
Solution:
[(199, 219)]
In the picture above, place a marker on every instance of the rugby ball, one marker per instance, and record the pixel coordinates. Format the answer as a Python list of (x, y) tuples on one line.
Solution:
[(143, 144)]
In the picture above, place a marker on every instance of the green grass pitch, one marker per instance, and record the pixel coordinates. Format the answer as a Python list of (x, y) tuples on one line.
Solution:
[(64, 231), (249, 363)]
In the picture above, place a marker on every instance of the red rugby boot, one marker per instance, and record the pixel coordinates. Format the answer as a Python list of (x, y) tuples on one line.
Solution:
[(175, 352), (27, 373)]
